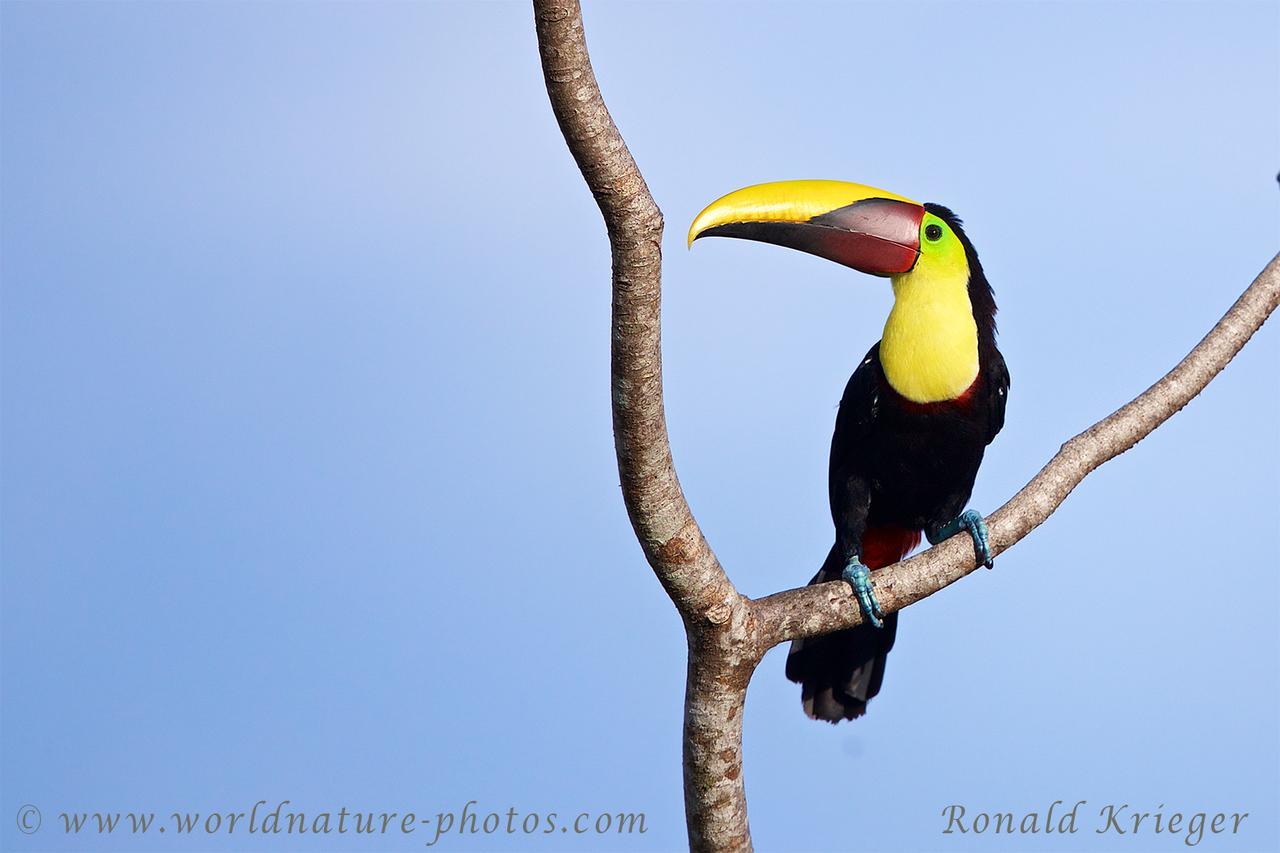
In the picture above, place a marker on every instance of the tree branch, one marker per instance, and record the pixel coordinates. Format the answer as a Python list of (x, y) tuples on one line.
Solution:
[(728, 634), (672, 540), (721, 659)]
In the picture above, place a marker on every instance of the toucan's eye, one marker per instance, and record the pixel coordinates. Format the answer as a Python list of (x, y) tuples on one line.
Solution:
[(933, 232)]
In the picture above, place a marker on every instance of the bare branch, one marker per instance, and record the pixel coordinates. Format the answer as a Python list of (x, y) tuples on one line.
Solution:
[(728, 634), (721, 658), (672, 540), (830, 607)]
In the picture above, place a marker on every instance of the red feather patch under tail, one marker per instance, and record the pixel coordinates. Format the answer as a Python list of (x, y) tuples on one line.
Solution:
[(885, 545)]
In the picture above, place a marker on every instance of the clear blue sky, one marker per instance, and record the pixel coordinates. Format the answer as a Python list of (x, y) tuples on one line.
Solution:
[(308, 481)]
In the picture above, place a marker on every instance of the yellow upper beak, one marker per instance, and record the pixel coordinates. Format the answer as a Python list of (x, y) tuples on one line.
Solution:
[(784, 201)]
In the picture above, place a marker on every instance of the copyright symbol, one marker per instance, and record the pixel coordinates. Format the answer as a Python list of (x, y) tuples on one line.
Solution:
[(28, 819)]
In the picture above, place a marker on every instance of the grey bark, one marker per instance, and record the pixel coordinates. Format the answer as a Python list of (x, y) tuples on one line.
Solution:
[(729, 633)]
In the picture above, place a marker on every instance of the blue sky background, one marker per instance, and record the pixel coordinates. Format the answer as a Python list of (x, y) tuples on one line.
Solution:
[(308, 481)]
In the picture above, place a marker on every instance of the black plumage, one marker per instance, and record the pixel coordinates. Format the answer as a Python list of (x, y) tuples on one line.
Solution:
[(897, 468)]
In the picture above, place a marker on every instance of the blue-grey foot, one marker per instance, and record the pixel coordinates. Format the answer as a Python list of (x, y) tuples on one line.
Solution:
[(860, 579), (970, 520)]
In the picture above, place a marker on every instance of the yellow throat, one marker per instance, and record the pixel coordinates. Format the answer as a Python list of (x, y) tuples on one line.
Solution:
[(929, 351)]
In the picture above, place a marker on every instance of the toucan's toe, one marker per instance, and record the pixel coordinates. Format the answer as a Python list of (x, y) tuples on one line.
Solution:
[(970, 520), (860, 579)]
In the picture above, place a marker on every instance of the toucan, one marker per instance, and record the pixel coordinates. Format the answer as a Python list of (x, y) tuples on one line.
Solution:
[(916, 416)]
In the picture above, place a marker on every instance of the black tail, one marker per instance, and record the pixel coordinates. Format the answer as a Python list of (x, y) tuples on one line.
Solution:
[(840, 673)]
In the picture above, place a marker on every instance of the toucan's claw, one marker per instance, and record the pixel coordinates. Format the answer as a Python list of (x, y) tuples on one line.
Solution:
[(970, 520), (860, 579)]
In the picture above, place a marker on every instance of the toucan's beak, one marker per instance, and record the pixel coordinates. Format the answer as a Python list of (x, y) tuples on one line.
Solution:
[(871, 230)]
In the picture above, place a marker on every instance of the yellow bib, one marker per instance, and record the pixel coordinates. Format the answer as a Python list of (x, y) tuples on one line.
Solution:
[(930, 347)]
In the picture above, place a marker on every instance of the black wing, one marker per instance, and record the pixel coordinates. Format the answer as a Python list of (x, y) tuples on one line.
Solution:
[(998, 382), (859, 408), (842, 671), (850, 493)]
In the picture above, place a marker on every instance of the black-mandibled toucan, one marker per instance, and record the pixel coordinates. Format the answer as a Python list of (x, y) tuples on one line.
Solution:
[(916, 415)]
